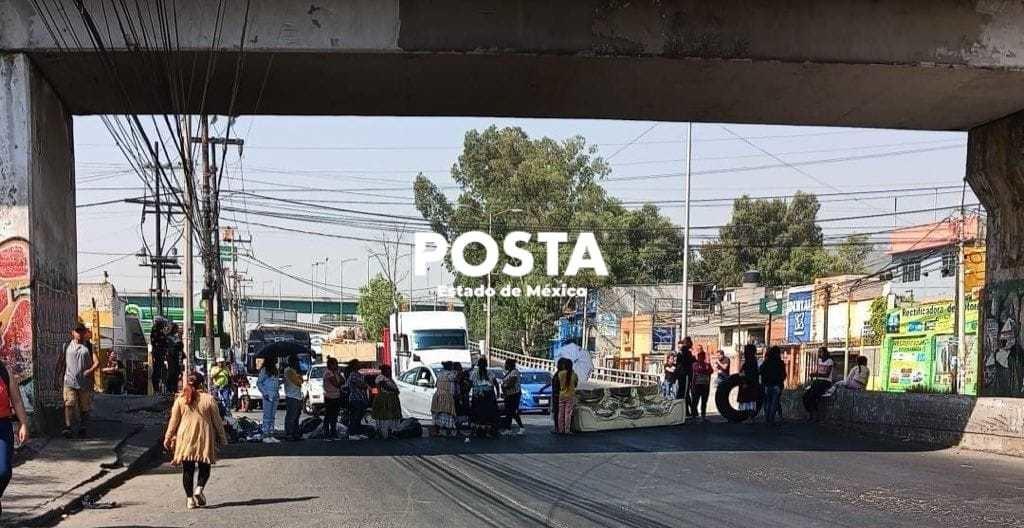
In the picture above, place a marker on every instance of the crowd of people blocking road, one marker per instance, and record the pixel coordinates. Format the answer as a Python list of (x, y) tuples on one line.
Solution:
[(688, 377)]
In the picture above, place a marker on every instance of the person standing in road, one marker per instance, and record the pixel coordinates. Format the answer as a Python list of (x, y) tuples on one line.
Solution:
[(194, 433), (79, 365), (269, 383), (567, 382), (462, 407), (158, 354), (750, 388), (773, 379), (484, 402), (175, 352), (221, 378), (722, 367), (387, 408), (701, 381), (684, 373), (358, 400), (668, 385), (442, 404), (11, 408), (511, 388), (333, 380), (821, 382), (292, 399)]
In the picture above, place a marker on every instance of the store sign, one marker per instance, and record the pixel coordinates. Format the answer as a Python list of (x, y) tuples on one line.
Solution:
[(771, 306), (933, 317), (798, 317), (909, 361), (663, 337)]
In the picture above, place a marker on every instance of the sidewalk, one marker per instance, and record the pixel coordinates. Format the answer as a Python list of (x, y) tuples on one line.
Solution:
[(53, 475)]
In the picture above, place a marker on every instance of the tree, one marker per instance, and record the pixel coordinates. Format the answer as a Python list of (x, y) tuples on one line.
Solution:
[(877, 321), (781, 240), (377, 300), (551, 186)]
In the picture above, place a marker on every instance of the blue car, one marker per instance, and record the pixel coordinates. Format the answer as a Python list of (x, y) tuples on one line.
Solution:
[(536, 386)]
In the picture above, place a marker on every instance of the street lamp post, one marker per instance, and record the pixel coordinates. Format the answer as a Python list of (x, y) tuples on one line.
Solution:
[(279, 295), (487, 307), (312, 285), (341, 309)]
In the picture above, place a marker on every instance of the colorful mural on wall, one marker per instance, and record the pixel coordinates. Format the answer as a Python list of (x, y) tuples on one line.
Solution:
[(16, 307), (1004, 345)]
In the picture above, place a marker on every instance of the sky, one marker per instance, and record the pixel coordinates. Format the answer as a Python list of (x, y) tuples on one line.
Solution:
[(369, 164)]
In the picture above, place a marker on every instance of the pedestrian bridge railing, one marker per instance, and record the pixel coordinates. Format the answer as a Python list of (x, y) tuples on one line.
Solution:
[(609, 375)]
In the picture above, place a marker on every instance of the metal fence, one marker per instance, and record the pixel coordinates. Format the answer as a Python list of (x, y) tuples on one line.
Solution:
[(624, 377)]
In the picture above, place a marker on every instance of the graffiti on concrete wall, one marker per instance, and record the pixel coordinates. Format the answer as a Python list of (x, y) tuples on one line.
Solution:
[(1004, 341), (16, 307), (56, 315)]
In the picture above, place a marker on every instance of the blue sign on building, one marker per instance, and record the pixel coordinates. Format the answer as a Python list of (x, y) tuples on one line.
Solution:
[(798, 317), (663, 337)]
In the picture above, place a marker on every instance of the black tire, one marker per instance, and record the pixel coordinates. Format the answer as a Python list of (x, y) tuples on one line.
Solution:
[(724, 403)]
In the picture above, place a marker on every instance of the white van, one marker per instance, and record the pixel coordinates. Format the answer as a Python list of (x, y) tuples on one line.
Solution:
[(427, 338)]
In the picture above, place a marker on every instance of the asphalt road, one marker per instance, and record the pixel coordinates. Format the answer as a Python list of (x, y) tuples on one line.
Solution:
[(710, 474)]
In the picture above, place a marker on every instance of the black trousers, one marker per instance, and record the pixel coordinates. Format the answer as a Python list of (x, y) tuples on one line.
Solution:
[(700, 399), (512, 409), (332, 407), (683, 393), (818, 388), (188, 475)]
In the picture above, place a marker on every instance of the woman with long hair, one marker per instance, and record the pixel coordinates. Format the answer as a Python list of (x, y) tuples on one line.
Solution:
[(269, 383), (194, 434), (567, 383), (750, 388), (512, 389), (442, 405), (292, 399), (387, 408), (12, 410), (821, 382), (484, 403), (333, 380), (773, 379)]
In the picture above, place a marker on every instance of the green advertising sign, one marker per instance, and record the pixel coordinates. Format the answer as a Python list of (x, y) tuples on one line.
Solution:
[(772, 306), (910, 361)]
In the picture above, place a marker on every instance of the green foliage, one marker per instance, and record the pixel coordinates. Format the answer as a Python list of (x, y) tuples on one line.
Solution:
[(377, 300), (877, 321), (556, 187), (782, 240)]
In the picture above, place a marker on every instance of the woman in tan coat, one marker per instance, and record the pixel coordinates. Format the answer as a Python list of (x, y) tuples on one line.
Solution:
[(194, 433)]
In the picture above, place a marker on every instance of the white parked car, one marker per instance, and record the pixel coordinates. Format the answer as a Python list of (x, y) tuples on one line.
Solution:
[(256, 397), (416, 388), (313, 389)]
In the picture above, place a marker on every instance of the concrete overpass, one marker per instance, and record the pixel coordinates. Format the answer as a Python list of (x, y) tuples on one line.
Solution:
[(917, 64)]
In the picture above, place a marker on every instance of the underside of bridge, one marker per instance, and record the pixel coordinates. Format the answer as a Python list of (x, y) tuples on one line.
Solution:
[(916, 64)]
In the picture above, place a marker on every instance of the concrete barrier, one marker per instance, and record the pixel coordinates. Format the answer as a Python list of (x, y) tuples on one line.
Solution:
[(995, 425)]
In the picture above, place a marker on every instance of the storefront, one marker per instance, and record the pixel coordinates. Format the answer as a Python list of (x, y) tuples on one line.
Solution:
[(919, 350)]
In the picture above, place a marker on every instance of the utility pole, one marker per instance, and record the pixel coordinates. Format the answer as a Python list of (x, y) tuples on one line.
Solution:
[(846, 352), (186, 323), (961, 296), (583, 330), (828, 302), (685, 330), (211, 253), (158, 267), (209, 264)]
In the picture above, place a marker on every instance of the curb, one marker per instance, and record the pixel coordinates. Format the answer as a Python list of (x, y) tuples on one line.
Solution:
[(136, 452)]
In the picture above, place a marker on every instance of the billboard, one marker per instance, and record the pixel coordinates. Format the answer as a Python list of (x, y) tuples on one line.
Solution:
[(663, 338), (798, 317)]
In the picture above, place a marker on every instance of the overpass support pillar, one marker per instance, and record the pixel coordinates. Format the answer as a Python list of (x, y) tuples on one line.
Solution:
[(995, 170), (38, 264)]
